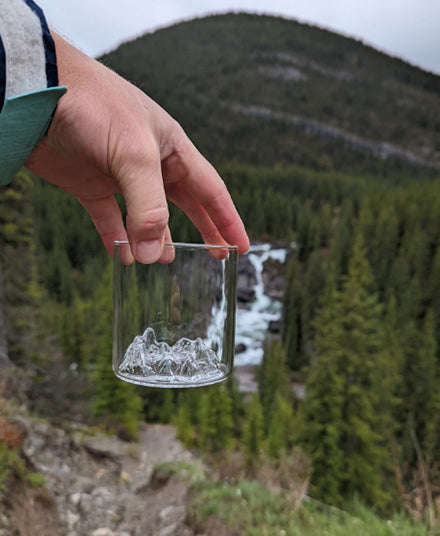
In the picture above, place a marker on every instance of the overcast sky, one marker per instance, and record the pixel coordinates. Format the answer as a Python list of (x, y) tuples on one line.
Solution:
[(409, 29)]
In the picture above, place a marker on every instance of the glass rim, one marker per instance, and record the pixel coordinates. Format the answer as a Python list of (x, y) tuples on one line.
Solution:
[(186, 245)]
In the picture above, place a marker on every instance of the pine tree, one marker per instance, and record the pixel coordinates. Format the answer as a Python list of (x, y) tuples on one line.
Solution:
[(421, 389), (272, 378), (73, 331), (367, 453), (390, 371), (314, 282), (215, 419), (384, 244), (185, 430), (342, 238), (320, 424), (281, 427), (341, 421), (253, 433), (430, 386), (237, 405), (292, 327), (167, 408)]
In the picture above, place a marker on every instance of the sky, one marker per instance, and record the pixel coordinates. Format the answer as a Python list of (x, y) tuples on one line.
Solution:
[(408, 29)]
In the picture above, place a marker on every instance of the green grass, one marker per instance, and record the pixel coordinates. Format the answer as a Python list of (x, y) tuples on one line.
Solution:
[(192, 473), (249, 509), (11, 461)]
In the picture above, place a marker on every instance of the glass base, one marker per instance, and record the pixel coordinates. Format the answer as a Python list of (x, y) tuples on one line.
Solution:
[(175, 381)]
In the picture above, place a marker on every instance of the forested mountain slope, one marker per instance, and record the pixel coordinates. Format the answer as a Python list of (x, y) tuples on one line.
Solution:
[(264, 90)]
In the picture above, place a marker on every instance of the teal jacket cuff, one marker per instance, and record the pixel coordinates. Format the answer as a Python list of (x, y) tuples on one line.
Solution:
[(24, 120)]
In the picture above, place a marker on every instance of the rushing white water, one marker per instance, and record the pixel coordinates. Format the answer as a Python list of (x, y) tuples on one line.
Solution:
[(252, 323)]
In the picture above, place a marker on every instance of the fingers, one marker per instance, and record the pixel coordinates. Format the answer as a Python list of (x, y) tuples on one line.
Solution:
[(107, 218), (176, 193), (198, 189), (147, 210), (168, 252), (198, 215)]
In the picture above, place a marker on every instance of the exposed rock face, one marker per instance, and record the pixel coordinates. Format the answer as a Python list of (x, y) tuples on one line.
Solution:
[(378, 149), (98, 485), (273, 279), (246, 280), (274, 326)]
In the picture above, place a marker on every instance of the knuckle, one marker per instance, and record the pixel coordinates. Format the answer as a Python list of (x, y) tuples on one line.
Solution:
[(155, 219)]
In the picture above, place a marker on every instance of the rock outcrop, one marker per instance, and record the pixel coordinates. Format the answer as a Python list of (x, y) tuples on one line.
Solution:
[(98, 485)]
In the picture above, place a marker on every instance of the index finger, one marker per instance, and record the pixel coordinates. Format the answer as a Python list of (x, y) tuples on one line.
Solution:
[(202, 182)]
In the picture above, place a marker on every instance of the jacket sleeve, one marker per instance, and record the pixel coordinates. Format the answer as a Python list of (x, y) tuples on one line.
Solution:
[(29, 88)]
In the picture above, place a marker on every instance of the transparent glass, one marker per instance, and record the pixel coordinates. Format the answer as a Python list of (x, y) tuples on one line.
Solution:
[(174, 322)]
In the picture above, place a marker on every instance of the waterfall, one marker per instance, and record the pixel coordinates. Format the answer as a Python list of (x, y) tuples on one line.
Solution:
[(252, 322)]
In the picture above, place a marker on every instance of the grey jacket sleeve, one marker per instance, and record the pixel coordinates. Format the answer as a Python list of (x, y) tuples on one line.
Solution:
[(29, 88)]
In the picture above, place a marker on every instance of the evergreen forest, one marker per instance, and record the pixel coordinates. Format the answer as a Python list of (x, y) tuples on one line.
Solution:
[(329, 147)]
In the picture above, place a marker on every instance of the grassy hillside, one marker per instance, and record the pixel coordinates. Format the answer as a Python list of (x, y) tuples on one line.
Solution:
[(263, 90)]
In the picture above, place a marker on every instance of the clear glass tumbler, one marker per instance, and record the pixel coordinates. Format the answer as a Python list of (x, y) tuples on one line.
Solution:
[(174, 322)]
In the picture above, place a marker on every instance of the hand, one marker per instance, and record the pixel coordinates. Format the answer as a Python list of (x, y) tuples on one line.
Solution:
[(106, 137)]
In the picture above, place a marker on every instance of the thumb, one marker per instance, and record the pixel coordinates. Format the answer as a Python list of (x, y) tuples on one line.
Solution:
[(147, 210)]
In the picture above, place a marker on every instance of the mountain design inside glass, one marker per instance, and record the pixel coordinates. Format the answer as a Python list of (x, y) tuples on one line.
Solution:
[(183, 362)]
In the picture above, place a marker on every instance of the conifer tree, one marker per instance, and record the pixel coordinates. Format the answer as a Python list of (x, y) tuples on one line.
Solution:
[(341, 421), (390, 370), (314, 282), (215, 419), (430, 386), (73, 330), (292, 327), (167, 408), (281, 427), (237, 406), (320, 421), (365, 410), (272, 378), (253, 433), (342, 238), (384, 244), (182, 422), (421, 389)]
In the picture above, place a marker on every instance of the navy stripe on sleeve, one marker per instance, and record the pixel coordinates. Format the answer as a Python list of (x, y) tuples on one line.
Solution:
[(49, 46), (2, 73)]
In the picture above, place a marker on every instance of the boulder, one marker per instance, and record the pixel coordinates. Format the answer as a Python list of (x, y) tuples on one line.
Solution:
[(274, 326), (246, 280), (240, 348), (274, 279)]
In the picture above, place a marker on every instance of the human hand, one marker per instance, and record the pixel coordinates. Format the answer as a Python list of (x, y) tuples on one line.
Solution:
[(107, 136)]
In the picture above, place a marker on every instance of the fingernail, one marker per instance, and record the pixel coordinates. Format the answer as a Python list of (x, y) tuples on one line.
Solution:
[(148, 252)]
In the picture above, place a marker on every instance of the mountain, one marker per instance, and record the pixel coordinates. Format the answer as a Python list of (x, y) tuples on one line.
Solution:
[(263, 90)]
